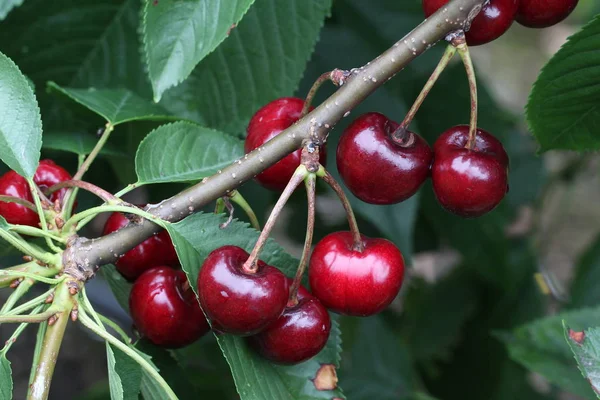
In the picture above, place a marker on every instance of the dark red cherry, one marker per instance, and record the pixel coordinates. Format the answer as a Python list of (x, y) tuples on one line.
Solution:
[(267, 123), (467, 182), (236, 301), (544, 13), (492, 21), (299, 334), (354, 282), (164, 308), (12, 184), (152, 252), (376, 169)]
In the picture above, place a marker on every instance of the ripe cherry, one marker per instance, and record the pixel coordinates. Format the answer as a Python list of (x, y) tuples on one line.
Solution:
[(377, 169), (165, 310), (152, 252), (267, 123), (467, 182), (492, 21), (544, 13), (237, 301), (299, 334), (12, 184), (353, 282)]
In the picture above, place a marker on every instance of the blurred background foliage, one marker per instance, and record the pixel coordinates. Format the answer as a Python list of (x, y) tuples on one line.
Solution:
[(456, 331)]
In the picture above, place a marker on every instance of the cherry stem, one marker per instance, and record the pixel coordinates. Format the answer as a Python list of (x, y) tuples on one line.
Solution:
[(337, 77), (18, 200), (101, 193), (238, 199), (251, 265), (400, 134), (465, 55), (37, 194), (358, 243), (225, 203), (310, 227)]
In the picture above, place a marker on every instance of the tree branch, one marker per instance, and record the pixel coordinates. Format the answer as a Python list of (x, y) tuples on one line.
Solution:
[(86, 255)]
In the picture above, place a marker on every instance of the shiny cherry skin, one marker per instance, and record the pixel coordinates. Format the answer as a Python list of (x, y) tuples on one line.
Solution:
[(299, 334), (467, 182), (492, 21), (376, 169), (236, 301), (164, 308), (12, 184), (544, 13), (152, 252), (267, 123), (353, 282)]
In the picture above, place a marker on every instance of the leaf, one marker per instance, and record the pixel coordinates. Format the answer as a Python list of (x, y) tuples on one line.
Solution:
[(256, 379), (377, 366), (563, 111), (6, 382), (115, 105), (177, 35), (183, 152), (7, 5), (119, 286), (584, 289), (586, 347), (20, 120), (540, 347), (263, 59), (77, 142), (124, 375)]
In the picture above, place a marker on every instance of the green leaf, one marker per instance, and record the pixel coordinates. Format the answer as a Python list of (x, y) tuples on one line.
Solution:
[(119, 285), (183, 152), (177, 35), (115, 105), (78, 142), (584, 289), (7, 5), (255, 378), (263, 59), (540, 346), (586, 347), (124, 375), (564, 107), (20, 120), (6, 382)]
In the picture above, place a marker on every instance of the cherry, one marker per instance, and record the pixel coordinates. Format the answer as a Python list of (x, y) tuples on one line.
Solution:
[(12, 184), (353, 282), (237, 301), (299, 333), (492, 21), (152, 252), (467, 182), (377, 169), (267, 123), (544, 13), (164, 308)]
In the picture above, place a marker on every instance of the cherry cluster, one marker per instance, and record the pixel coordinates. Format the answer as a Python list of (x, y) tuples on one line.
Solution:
[(498, 15)]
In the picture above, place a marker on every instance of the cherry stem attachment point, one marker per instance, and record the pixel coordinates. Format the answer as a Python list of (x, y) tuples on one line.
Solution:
[(337, 77), (222, 204), (101, 193), (358, 242), (465, 55), (18, 200), (400, 134), (251, 265), (310, 227)]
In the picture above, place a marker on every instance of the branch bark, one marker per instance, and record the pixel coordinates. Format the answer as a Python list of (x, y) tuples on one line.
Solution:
[(88, 254)]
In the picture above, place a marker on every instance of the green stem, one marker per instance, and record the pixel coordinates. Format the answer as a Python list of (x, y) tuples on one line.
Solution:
[(31, 303), (465, 55), (98, 191), (101, 319), (87, 322), (310, 227), (20, 244), (16, 295), (126, 189), (92, 212), (95, 151), (36, 232), (28, 268), (38, 350), (113, 325), (17, 332), (358, 243), (40, 210), (18, 200), (23, 274), (32, 318), (238, 199), (251, 264)]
